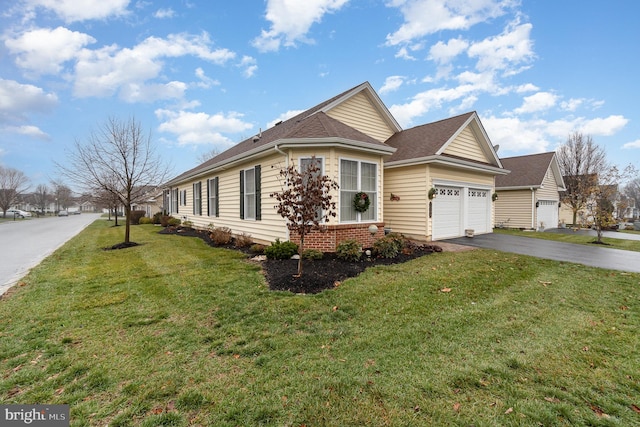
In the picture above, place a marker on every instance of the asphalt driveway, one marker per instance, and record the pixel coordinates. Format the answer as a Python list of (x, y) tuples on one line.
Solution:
[(591, 255)]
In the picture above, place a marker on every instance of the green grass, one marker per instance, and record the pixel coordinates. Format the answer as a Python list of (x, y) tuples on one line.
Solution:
[(175, 333), (580, 239)]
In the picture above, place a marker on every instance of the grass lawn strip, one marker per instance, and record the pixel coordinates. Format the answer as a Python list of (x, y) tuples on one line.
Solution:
[(580, 239), (174, 332)]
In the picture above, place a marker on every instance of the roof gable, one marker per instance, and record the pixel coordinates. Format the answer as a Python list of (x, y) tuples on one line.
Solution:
[(442, 139), (529, 171)]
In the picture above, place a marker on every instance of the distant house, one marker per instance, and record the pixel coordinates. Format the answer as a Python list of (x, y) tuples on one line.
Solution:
[(360, 145), (151, 202), (529, 196)]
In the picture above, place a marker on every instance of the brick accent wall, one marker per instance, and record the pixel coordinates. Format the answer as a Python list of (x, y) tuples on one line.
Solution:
[(328, 239)]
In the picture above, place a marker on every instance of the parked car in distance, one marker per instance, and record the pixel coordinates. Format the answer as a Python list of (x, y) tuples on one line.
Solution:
[(74, 212), (17, 213), (63, 213)]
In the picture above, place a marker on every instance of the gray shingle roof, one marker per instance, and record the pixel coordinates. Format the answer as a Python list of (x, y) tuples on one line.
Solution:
[(425, 140), (311, 123), (526, 170)]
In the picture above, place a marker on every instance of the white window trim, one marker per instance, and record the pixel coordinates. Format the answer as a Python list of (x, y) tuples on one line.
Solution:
[(253, 195), (359, 219)]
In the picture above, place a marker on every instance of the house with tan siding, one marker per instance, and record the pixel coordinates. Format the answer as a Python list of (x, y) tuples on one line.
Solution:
[(360, 145), (529, 196)]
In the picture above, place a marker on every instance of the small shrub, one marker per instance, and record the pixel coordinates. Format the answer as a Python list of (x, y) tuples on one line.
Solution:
[(187, 224), (312, 254), (146, 220), (173, 221), (349, 250), (221, 235), (135, 216), (389, 246), (257, 248), (281, 250), (157, 218), (244, 240)]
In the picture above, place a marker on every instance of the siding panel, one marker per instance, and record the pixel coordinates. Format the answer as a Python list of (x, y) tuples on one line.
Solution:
[(466, 146), (514, 209), (409, 214), (359, 113)]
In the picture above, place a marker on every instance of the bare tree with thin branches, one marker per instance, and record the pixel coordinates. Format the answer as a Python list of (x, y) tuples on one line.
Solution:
[(42, 197), (580, 160), (12, 184), (118, 158)]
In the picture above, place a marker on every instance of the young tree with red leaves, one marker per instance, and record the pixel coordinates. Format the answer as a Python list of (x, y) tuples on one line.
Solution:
[(305, 200)]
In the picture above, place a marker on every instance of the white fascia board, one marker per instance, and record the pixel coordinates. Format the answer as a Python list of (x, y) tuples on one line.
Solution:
[(448, 162)]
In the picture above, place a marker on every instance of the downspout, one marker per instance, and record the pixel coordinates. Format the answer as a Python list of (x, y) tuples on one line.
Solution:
[(533, 209)]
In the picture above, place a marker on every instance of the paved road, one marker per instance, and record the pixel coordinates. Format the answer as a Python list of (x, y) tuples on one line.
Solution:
[(591, 255), (23, 244)]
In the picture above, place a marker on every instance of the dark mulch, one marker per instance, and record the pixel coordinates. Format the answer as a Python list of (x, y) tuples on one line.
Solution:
[(123, 245), (318, 275)]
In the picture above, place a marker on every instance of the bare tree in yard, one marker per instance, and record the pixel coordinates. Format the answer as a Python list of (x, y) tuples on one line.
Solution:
[(12, 183), (580, 160), (632, 191), (42, 197), (118, 158), (305, 201), (62, 195), (604, 196)]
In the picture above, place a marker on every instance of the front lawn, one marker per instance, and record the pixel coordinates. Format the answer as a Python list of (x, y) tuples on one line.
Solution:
[(577, 238), (174, 332)]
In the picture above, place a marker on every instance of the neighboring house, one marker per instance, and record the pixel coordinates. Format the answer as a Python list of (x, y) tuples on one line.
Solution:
[(529, 196), (354, 137), (151, 202)]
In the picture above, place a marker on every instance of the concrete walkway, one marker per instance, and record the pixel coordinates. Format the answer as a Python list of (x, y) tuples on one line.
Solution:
[(591, 255)]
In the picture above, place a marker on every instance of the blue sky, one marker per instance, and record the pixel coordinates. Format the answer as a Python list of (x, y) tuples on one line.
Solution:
[(203, 75)]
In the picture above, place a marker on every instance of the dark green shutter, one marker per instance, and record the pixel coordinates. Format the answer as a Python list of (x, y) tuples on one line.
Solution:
[(241, 194), (258, 198), (193, 201), (208, 198), (215, 188)]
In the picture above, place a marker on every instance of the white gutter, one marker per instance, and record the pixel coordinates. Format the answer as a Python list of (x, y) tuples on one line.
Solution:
[(448, 161)]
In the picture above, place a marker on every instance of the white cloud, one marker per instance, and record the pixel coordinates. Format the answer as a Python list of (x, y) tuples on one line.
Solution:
[(424, 102), (572, 104), (604, 126), (205, 81), (502, 52), (249, 65), (17, 99), (632, 145), (403, 53), (164, 13), (538, 102), (105, 71), (284, 116), (443, 53), (527, 87), (74, 10), (135, 92), (391, 84), (424, 17), (517, 136), (44, 51), (201, 128), (291, 21), (27, 130)]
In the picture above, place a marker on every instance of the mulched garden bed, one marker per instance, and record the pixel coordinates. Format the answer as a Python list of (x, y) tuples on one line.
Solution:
[(318, 275)]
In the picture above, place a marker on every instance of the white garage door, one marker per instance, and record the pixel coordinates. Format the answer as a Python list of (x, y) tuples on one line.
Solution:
[(447, 213), (479, 211), (547, 213)]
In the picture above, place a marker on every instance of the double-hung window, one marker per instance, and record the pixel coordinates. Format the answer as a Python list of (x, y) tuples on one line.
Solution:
[(212, 197), (355, 177), (250, 193), (197, 198)]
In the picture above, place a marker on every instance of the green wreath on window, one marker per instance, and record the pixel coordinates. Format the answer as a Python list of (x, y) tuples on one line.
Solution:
[(361, 201)]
